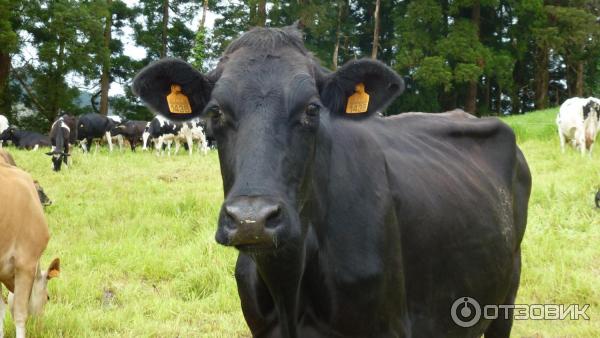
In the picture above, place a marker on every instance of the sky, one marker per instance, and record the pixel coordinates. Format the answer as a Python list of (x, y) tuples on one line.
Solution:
[(130, 49)]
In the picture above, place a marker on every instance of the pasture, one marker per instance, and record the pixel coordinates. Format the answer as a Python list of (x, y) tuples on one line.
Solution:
[(135, 234)]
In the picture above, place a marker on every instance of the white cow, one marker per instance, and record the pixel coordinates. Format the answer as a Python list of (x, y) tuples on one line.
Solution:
[(192, 131), (3, 126), (578, 123)]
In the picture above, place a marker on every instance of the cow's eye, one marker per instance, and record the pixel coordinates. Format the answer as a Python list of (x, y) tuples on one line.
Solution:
[(215, 112), (313, 109)]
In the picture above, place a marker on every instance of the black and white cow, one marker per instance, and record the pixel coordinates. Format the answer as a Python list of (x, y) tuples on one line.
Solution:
[(578, 122), (349, 224), (24, 139), (3, 126), (60, 134), (132, 130), (116, 138), (161, 131), (94, 126), (192, 131)]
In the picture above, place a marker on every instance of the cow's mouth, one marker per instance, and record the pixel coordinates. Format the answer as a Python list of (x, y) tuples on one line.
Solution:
[(258, 248)]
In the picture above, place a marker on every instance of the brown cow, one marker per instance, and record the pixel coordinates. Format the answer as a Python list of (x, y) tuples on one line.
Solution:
[(24, 238)]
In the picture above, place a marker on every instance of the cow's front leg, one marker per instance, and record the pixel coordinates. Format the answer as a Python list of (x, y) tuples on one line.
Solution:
[(190, 144), (109, 140), (20, 302)]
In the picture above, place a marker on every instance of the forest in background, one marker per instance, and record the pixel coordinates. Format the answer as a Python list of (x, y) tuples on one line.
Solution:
[(490, 57)]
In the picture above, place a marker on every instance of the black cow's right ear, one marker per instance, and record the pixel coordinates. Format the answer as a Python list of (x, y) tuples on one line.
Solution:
[(178, 80)]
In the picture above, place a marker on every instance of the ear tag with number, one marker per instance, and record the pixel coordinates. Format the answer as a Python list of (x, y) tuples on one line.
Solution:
[(178, 102), (359, 101)]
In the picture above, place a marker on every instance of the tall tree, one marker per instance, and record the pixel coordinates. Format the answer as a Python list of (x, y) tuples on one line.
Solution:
[(376, 30), (8, 45), (105, 77)]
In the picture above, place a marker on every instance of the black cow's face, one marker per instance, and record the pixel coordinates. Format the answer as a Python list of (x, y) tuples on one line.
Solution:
[(7, 134), (265, 103), (266, 126), (58, 159)]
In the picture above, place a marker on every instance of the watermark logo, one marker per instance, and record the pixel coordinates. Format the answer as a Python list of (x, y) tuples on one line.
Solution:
[(466, 311)]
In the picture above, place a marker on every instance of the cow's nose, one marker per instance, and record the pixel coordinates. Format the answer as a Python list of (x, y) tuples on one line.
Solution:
[(250, 221)]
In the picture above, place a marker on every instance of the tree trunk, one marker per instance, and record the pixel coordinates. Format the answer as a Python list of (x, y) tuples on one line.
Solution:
[(471, 99), (579, 78), (204, 10), (261, 13), (105, 78), (498, 100), (165, 26), (376, 30), (4, 74), (58, 78), (487, 103), (336, 48), (542, 78)]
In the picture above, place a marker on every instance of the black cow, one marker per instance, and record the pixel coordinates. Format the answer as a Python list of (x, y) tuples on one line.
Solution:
[(60, 134), (24, 139), (132, 130), (352, 224), (94, 126)]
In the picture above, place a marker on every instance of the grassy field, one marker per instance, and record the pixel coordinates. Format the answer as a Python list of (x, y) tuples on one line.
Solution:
[(135, 234)]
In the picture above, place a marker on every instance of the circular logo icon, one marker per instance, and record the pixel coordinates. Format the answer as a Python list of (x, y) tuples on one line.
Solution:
[(465, 312)]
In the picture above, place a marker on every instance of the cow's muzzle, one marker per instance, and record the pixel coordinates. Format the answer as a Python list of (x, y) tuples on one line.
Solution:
[(250, 223)]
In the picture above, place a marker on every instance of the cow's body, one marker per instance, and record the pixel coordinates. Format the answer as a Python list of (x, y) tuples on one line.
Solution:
[(352, 225), (117, 120), (578, 123), (3, 126), (192, 131), (162, 131), (24, 139), (131, 130), (94, 126), (60, 134), (24, 237)]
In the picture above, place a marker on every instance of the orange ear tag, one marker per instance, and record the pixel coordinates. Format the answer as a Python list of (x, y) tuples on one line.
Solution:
[(178, 102), (358, 102)]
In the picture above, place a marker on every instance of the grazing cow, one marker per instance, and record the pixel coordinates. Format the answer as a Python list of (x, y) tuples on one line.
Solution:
[(131, 130), (24, 139), (161, 131), (94, 126), (349, 224), (6, 158), (118, 138), (3, 126), (192, 131), (578, 123), (24, 237), (60, 134)]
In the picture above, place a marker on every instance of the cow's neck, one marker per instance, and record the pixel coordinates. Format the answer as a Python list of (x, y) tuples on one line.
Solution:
[(282, 274)]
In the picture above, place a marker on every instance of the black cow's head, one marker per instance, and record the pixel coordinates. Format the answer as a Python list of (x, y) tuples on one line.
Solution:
[(7, 134), (58, 158), (264, 103)]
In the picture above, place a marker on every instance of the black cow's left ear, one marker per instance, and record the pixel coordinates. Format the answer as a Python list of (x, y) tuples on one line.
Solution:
[(173, 88), (379, 82)]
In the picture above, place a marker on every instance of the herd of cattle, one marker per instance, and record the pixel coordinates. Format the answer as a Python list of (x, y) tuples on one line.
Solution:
[(69, 130), (331, 208)]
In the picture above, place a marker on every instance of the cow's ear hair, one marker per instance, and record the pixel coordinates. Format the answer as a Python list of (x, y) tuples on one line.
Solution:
[(381, 83), (54, 269), (154, 83)]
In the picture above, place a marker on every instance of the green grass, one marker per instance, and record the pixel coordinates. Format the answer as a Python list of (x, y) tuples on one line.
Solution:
[(142, 228)]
